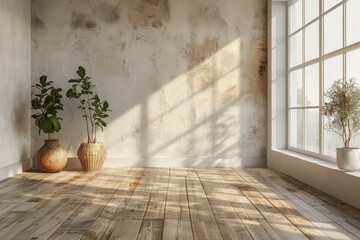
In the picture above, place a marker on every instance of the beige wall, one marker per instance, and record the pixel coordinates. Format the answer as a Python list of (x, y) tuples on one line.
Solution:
[(185, 79), (15, 50)]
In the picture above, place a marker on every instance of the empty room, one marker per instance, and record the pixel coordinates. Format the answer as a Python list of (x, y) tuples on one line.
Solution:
[(180, 119)]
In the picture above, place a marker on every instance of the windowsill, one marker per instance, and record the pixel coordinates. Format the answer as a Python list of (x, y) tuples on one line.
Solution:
[(322, 175), (316, 161)]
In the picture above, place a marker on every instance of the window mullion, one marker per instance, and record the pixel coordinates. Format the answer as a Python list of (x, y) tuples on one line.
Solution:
[(321, 80), (304, 26), (309, 107), (344, 24), (288, 77), (344, 40), (332, 8), (326, 56), (303, 75)]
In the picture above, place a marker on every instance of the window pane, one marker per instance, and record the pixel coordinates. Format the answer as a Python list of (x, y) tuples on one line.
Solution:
[(333, 70), (352, 21), (312, 130), (296, 49), (312, 85), (355, 142), (296, 88), (312, 41), (330, 3), (295, 16), (353, 65), (311, 10), (331, 142), (333, 30), (296, 128)]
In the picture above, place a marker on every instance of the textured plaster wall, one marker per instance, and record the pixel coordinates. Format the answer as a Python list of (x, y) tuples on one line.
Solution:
[(15, 51), (185, 79)]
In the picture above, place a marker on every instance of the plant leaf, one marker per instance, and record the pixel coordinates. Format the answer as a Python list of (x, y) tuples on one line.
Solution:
[(43, 79), (81, 72), (56, 124), (105, 105)]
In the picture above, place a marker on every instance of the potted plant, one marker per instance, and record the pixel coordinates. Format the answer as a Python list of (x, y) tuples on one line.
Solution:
[(91, 154), (342, 110), (46, 102)]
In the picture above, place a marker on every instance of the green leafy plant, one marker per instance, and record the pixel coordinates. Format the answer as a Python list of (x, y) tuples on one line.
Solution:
[(47, 103), (94, 110), (342, 109)]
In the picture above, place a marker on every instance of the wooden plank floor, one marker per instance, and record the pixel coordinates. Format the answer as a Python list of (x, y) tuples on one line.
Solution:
[(176, 203)]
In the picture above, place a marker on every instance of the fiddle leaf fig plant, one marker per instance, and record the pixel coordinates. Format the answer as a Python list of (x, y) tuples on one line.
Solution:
[(95, 110), (342, 109), (47, 103)]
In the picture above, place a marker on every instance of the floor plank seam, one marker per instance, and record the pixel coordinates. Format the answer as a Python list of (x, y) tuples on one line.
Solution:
[(188, 203), (167, 194), (148, 201)]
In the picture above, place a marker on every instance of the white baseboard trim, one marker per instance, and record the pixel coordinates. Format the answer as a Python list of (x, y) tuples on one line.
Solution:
[(74, 164), (16, 168)]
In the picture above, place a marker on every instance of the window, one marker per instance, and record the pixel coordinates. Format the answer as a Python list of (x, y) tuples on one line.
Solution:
[(323, 46)]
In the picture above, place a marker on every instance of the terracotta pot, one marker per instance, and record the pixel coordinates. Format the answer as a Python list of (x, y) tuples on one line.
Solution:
[(92, 156), (348, 158), (51, 157)]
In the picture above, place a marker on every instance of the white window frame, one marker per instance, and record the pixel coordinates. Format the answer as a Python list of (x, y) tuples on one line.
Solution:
[(320, 60)]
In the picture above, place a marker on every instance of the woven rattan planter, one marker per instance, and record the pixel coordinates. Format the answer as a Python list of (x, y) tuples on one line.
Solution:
[(92, 156)]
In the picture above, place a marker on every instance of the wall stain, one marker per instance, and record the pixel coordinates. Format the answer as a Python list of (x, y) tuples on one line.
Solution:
[(79, 20), (198, 53), (108, 13), (207, 14), (36, 22), (257, 65), (262, 68), (254, 133), (148, 13), (123, 46), (263, 151), (200, 78), (137, 132), (155, 3), (156, 23), (251, 139)]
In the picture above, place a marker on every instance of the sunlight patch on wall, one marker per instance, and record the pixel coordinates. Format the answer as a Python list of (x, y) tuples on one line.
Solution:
[(185, 79)]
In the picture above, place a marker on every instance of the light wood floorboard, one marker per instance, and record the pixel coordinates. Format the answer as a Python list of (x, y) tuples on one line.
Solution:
[(175, 203)]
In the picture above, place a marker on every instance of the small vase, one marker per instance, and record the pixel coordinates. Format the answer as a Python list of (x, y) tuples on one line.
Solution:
[(51, 157), (91, 156), (348, 158)]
